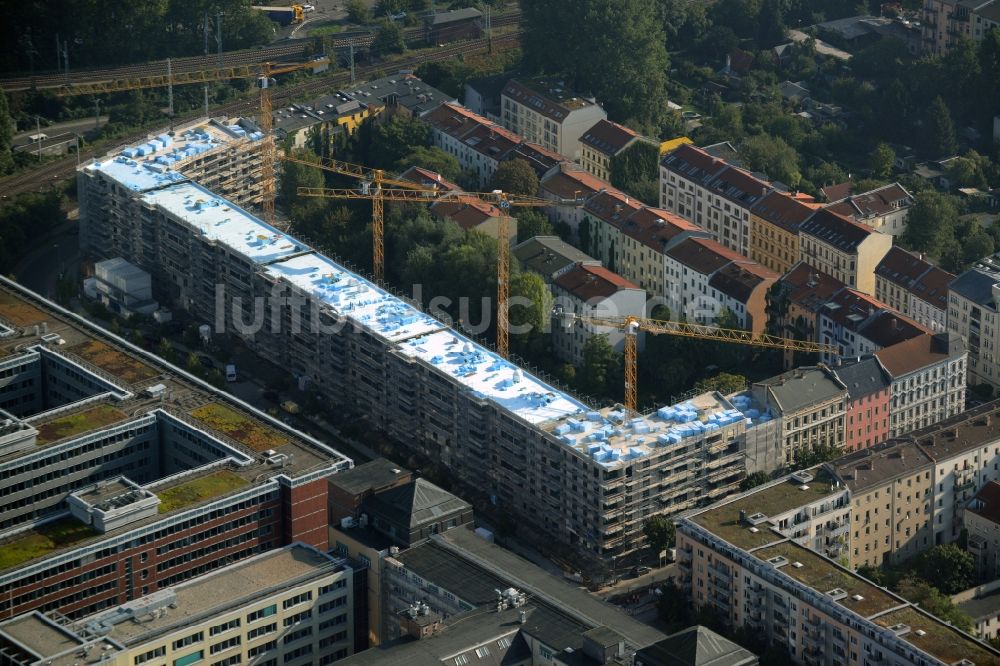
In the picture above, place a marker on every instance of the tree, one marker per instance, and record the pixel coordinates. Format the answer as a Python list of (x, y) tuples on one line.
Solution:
[(967, 171), (773, 156), (930, 222), (975, 246), (295, 175), (810, 457), (881, 160), (723, 382), (432, 158), (754, 480), (935, 603), (598, 363), (640, 161), (530, 288), (388, 39), (673, 606), (391, 141), (940, 135), (358, 11), (770, 24), (660, 531), (6, 136), (193, 364), (948, 568), (531, 223), (515, 177)]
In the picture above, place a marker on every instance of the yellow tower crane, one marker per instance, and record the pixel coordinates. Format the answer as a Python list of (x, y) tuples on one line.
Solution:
[(632, 325), (262, 72), (504, 201)]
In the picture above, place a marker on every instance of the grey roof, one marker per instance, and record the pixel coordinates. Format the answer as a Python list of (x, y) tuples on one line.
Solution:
[(696, 646), (376, 473), (976, 284), (863, 377), (797, 389), (455, 15), (405, 90), (981, 607), (416, 503), (548, 254)]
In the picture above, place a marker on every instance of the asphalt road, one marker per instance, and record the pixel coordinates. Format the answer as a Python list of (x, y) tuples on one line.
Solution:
[(79, 126)]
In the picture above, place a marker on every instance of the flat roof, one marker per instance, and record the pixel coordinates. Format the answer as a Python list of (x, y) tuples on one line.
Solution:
[(135, 176), (938, 640), (489, 376), (224, 222), (723, 519), (228, 589)]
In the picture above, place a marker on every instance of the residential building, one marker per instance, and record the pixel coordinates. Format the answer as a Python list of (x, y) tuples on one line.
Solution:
[(123, 476), (947, 21), (473, 214), (409, 514), (774, 230), (695, 646), (600, 144), (982, 605), (277, 607), (883, 209), (460, 599), (350, 488), (429, 179), (544, 112), (843, 248), (755, 560), (796, 301), (123, 288), (811, 403), (482, 95), (982, 521), (548, 256), (420, 382), (974, 313), (857, 324), (764, 436), (696, 293), (453, 25), (478, 144), (928, 380), (541, 160), (570, 182), (711, 193), (333, 115), (400, 93), (592, 291), (866, 417), (914, 287)]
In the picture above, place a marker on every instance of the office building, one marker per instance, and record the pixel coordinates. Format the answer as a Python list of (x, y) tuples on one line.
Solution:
[(292, 605), (974, 313), (123, 476)]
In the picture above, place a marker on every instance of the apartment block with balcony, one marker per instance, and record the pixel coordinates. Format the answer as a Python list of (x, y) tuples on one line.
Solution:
[(914, 288), (774, 230), (293, 605), (543, 111), (928, 380), (843, 248), (812, 405), (947, 21), (594, 291), (739, 558), (974, 314), (711, 193)]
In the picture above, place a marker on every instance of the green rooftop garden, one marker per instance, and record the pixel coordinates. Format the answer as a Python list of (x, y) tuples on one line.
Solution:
[(18, 312), (43, 540), (198, 490), (944, 642), (114, 362), (78, 422), (241, 427)]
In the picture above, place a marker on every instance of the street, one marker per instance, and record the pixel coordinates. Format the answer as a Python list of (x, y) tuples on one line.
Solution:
[(80, 126)]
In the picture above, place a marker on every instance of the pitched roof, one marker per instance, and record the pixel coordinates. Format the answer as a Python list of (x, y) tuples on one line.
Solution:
[(692, 163), (540, 159), (703, 255), (870, 318), (588, 282), (416, 503), (741, 280), (863, 377), (548, 254), (919, 352), (697, 646), (873, 466), (836, 230), (917, 276), (465, 14), (428, 178), (545, 97), (987, 502), (875, 203), (659, 229), (739, 186), (782, 210), (608, 137), (836, 192), (572, 180), (740, 61), (802, 387), (725, 151), (808, 287), (466, 210), (479, 133), (612, 206)]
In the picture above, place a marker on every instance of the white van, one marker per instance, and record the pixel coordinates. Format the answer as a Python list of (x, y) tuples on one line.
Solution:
[(230, 373)]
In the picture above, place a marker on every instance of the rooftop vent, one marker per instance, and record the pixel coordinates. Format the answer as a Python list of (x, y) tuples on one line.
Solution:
[(920, 632), (797, 565), (857, 597), (803, 487), (754, 530), (778, 561), (802, 477), (837, 593), (900, 629)]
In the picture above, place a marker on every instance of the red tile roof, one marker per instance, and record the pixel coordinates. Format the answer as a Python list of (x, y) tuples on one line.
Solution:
[(704, 255), (917, 276), (836, 192), (428, 178), (466, 210), (692, 163), (808, 287), (875, 203), (571, 180), (656, 228), (987, 502), (608, 137), (739, 281), (612, 206), (919, 352), (587, 282), (782, 210)]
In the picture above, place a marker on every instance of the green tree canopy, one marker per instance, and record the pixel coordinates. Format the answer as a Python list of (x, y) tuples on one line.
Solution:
[(295, 175), (930, 222), (940, 136), (599, 362), (531, 223), (529, 287), (358, 11), (947, 567), (388, 39), (432, 158), (935, 603), (515, 177), (773, 156), (881, 160), (636, 164), (754, 480), (660, 531), (6, 135)]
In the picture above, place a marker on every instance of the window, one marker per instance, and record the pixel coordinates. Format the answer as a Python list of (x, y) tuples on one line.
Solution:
[(298, 617), (228, 661), (297, 599), (224, 645), (188, 659), (263, 612), (262, 631), (261, 649), (188, 640), (225, 626), (293, 636), (152, 654)]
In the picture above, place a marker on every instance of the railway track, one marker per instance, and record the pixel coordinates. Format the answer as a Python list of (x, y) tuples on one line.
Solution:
[(52, 172), (196, 63)]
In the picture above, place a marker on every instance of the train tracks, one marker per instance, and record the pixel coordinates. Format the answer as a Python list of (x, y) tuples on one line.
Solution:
[(52, 172), (275, 52)]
